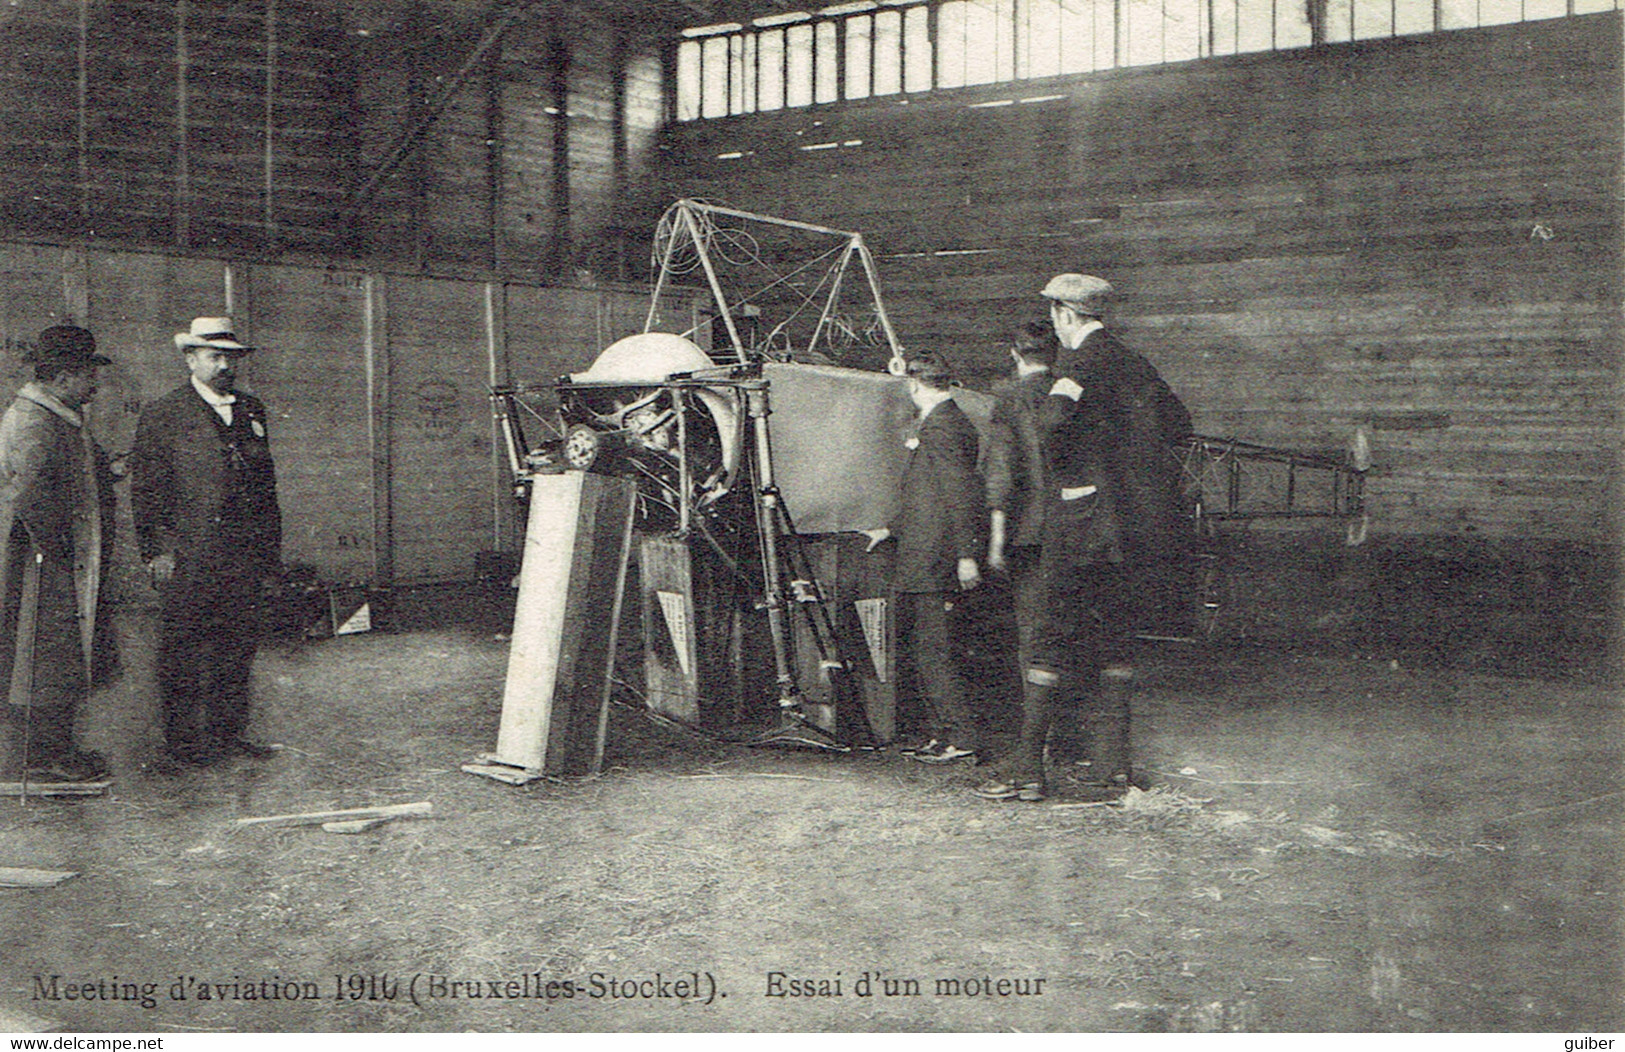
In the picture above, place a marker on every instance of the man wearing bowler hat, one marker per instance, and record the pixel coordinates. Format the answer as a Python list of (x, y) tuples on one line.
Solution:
[(56, 519), (1112, 523), (204, 494)]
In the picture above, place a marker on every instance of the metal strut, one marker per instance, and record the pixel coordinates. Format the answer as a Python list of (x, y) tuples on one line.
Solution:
[(772, 522)]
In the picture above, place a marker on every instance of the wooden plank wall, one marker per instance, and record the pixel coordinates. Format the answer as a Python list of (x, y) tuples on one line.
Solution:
[(1420, 235), (146, 124), (99, 132), (442, 493)]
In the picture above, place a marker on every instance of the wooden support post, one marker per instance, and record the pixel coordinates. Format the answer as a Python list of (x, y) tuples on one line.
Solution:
[(84, 114), (933, 33), (375, 344), (417, 167), (268, 190), (619, 53), (181, 208), (496, 361), (495, 147), (76, 284), (558, 77), (840, 59)]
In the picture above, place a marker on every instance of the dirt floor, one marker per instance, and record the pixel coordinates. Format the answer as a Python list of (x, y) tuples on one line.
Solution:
[(1329, 844)]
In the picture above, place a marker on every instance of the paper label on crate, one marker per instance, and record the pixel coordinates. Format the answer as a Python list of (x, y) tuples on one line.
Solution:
[(360, 621), (675, 608), (872, 615)]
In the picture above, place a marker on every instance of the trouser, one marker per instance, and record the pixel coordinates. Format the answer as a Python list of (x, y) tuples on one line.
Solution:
[(1027, 595), (206, 643), (929, 644), (1066, 741), (1078, 671)]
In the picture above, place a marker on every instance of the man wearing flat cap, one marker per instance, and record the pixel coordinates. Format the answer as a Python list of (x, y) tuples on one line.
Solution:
[(203, 490), (1114, 521), (56, 516)]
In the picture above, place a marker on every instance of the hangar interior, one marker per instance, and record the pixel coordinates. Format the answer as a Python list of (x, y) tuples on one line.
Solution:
[(1326, 221)]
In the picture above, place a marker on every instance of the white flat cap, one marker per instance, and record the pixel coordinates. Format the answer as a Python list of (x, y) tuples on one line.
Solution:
[(1088, 295)]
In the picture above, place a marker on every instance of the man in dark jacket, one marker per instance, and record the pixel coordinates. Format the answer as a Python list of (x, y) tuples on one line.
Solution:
[(206, 516), (1114, 517), (938, 530), (56, 521), (1017, 486)]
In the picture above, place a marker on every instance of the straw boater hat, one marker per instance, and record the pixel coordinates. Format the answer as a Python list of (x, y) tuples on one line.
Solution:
[(210, 332), (1082, 292)]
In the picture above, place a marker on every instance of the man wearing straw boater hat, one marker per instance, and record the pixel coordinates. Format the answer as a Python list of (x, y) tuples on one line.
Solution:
[(56, 517), (203, 490)]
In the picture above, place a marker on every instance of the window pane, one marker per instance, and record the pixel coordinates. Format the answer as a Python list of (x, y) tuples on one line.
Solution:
[(1591, 7), (1292, 23), (748, 72), (1373, 18), (1495, 12), (715, 103), (1038, 38), (951, 44), (1144, 43), (1340, 19), (1458, 14), (828, 87), (1223, 26), (989, 54), (1413, 16), (770, 70), (858, 29), (888, 53), (1182, 30), (917, 49), (1533, 9), (798, 88), (688, 80), (1077, 36), (1255, 24)]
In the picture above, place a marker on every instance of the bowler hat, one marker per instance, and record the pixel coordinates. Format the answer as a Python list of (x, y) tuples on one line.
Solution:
[(67, 345), (210, 332), (1084, 293)]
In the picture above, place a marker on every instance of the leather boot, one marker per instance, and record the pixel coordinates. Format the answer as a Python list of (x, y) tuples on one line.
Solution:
[(1037, 711), (1109, 755)]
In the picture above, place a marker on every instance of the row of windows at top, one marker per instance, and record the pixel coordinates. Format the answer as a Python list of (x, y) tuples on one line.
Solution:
[(859, 50)]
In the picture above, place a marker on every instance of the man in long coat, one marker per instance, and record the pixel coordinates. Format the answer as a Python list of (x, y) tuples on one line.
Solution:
[(203, 489), (56, 516)]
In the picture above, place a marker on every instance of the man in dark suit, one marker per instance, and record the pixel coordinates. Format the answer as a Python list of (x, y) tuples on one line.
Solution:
[(206, 516), (1113, 519), (938, 531)]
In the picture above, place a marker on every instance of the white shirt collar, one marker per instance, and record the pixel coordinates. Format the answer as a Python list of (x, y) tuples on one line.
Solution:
[(212, 396), (35, 392), (947, 396), (1089, 328)]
